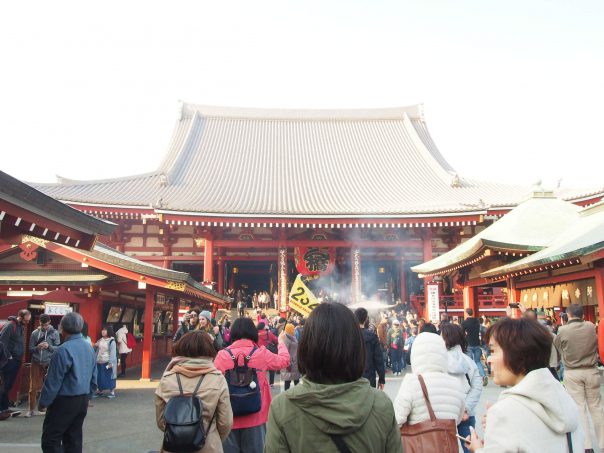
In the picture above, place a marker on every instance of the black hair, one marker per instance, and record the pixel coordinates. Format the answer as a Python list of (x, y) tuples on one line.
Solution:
[(332, 349), (453, 336), (575, 310), (44, 318), (244, 328), (429, 327), (362, 316), (85, 329), (109, 330), (260, 326)]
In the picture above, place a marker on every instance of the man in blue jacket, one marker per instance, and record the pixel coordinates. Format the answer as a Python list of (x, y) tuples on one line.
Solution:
[(71, 379)]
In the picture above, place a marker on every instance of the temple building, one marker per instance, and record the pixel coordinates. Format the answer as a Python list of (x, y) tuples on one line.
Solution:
[(245, 197), (51, 262), (546, 254)]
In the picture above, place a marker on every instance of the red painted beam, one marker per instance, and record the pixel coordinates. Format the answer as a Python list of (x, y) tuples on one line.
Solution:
[(556, 279), (307, 243)]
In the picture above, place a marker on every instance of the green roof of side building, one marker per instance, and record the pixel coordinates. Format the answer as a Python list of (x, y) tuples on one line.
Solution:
[(529, 227)]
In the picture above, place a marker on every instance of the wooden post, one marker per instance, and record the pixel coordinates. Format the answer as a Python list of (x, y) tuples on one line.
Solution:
[(175, 309), (403, 280), (469, 300), (148, 333), (220, 275), (599, 277), (282, 280), (427, 248), (356, 288), (92, 312), (208, 260)]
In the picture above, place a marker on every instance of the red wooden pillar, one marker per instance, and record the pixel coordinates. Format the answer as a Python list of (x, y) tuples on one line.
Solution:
[(220, 275), (175, 311), (92, 312), (403, 280), (356, 288), (148, 333), (283, 288), (469, 300), (599, 277), (208, 260), (427, 256)]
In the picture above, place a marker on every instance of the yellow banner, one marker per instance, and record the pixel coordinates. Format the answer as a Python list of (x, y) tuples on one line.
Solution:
[(301, 298)]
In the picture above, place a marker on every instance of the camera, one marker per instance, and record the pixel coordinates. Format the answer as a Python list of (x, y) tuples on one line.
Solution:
[(514, 305)]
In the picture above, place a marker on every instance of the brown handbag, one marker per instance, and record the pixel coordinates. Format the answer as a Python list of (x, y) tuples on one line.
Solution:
[(432, 435)]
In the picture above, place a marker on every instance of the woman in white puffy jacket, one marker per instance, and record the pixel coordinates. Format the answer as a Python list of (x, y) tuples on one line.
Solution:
[(429, 358), (462, 367)]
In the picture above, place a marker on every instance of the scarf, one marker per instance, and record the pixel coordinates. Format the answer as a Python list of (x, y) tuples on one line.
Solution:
[(191, 366)]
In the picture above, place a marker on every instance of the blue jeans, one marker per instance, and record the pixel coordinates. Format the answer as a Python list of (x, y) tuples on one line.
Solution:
[(463, 429), (395, 359), (474, 352), (486, 352), (9, 372)]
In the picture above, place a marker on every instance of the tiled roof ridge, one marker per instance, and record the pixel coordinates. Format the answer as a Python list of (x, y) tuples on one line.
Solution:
[(415, 111), (62, 181)]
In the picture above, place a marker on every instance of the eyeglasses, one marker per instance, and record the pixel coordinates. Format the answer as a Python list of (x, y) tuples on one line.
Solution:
[(194, 315)]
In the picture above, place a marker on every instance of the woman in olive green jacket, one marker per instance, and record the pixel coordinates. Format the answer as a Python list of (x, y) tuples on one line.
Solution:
[(333, 403)]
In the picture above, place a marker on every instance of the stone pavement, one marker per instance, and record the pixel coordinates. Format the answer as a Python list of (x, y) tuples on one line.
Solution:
[(127, 423)]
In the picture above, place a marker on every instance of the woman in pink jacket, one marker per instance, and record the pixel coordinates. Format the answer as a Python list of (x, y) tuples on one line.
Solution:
[(249, 431)]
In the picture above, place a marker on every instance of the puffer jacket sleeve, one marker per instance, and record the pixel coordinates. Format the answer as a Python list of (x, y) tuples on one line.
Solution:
[(224, 413), (473, 395), (403, 400)]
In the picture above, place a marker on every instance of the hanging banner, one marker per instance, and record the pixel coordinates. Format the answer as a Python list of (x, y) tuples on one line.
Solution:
[(432, 304), (301, 298), (315, 260)]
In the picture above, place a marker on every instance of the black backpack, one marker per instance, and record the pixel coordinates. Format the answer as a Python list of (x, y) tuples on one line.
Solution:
[(243, 385), (184, 421)]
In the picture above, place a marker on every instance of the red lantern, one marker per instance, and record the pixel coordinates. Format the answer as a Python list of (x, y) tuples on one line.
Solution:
[(314, 260)]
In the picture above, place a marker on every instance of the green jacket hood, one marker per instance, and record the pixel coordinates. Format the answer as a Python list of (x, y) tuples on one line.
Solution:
[(334, 408)]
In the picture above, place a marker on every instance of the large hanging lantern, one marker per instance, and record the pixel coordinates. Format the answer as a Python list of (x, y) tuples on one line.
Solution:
[(315, 260)]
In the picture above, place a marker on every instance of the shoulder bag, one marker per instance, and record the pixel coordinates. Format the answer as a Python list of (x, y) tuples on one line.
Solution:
[(431, 435)]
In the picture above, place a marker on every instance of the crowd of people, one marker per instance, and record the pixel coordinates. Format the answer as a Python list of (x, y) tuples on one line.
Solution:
[(334, 366)]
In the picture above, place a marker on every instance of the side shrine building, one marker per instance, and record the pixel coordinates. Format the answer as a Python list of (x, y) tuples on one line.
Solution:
[(244, 197)]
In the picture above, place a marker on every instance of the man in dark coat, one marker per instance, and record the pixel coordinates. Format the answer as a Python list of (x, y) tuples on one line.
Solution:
[(374, 360), (13, 343)]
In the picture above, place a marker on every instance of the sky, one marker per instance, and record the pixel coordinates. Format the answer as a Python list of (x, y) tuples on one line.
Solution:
[(513, 91)]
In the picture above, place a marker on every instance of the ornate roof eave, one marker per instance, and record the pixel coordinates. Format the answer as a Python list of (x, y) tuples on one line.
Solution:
[(110, 260), (575, 257)]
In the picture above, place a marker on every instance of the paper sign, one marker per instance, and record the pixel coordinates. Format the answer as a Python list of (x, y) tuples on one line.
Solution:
[(432, 304), (301, 298)]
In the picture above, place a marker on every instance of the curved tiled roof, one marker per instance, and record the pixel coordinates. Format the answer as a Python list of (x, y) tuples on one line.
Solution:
[(583, 236), (233, 161), (529, 227)]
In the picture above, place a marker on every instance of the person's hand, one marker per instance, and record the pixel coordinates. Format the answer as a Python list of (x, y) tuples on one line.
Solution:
[(484, 417), (216, 330), (380, 386), (472, 441), (282, 336), (109, 366)]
